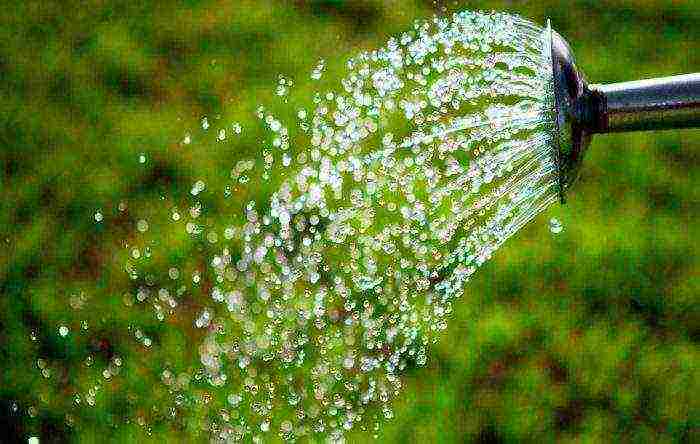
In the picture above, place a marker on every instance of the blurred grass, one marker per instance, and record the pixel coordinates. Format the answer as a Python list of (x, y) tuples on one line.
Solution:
[(588, 336)]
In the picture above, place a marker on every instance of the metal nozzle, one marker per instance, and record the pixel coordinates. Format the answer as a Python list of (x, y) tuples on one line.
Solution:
[(582, 110)]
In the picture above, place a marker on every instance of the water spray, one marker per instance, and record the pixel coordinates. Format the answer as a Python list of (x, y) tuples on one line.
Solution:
[(583, 110), (309, 304)]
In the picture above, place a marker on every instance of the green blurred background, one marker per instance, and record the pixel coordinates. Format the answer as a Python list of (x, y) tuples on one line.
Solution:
[(587, 336)]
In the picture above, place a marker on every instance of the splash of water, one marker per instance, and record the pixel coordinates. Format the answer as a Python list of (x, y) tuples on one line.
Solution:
[(434, 151)]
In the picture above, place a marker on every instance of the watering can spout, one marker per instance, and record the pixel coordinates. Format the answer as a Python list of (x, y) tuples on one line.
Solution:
[(583, 110)]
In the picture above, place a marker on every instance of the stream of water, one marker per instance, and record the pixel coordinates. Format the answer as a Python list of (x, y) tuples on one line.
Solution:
[(431, 152)]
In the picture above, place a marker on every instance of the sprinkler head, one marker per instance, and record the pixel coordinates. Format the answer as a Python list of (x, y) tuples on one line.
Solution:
[(577, 111), (582, 110)]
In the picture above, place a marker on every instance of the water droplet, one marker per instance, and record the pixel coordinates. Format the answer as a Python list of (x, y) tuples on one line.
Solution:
[(317, 72), (555, 226), (198, 187), (234, 399), (142, 225)]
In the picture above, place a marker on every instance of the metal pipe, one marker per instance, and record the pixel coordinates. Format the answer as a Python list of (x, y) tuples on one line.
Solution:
[(652, 104)]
